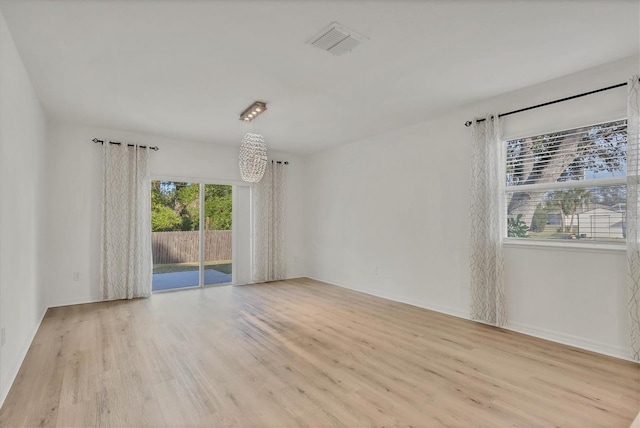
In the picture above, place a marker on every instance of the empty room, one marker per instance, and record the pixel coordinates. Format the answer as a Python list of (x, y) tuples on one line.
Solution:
[(320, 213)]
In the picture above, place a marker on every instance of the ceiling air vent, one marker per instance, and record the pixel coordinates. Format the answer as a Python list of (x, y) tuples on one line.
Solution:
[(337, 39)]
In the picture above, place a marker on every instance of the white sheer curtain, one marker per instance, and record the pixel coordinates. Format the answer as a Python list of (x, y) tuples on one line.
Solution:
[(126, 229), (487, 223), (633, 202), (268, 224)]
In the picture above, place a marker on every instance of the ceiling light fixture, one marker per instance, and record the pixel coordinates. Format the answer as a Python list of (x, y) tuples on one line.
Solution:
[(253, 110), (253, 149)]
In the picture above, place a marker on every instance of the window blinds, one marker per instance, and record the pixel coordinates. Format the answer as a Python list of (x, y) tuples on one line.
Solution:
[(568, 185)]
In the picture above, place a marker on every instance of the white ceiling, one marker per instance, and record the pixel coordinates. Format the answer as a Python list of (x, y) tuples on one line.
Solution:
[(186, 69)]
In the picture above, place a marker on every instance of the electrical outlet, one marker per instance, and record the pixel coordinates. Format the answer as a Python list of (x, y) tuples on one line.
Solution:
[(3, 336), (76, 276)]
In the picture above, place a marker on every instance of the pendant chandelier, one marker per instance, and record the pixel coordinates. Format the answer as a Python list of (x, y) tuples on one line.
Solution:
[(253, 149), (253, 157)]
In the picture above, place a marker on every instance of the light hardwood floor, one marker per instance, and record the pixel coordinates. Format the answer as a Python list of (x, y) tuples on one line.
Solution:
[(304, 353)]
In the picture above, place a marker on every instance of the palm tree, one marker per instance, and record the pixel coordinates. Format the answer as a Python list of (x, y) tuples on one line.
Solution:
[(568, 202), (580, 198)]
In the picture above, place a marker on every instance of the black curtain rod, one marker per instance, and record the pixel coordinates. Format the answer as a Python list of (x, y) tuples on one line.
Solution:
[(469, 123), (284, 162), (117, 143)]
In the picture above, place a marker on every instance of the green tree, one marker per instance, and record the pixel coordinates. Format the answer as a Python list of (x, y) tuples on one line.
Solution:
[(187, 203), (562, 156), (163, 216), (217, 207), (568, 202), (176, 206), (516, 228), (164, 219), (539, 220)]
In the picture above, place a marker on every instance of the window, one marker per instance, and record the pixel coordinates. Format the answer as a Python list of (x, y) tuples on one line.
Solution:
[(568, 185)]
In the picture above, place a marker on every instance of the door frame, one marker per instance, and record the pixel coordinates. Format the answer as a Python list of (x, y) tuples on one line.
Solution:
[(201, 182)]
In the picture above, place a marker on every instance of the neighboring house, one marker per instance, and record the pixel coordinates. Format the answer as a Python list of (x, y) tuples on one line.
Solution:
[(554, 218), (601, 223)]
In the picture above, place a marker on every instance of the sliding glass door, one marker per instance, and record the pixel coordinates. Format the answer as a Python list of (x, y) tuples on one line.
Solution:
[(217, 233), (191, 234)]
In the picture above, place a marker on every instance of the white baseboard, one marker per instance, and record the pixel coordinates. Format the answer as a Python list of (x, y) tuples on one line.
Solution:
[(553, 336), (567, 339), (12, 373), (541, 333), (401, 299), (264, 282), (75, 301)]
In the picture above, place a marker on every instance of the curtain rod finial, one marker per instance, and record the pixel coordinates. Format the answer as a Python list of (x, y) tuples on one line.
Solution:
[(468, 123)]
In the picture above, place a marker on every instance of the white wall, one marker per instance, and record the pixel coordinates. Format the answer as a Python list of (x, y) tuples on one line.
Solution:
[(388, 215), (22, 151), (74, 176)]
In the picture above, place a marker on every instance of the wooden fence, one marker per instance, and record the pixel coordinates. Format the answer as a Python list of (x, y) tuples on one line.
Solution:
[(182, 247)]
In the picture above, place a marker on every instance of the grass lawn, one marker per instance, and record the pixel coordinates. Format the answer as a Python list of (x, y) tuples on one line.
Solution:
[(550, 232), (223, 266)]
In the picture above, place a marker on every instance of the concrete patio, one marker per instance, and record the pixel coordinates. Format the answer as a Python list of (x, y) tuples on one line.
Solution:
[(173, 280)]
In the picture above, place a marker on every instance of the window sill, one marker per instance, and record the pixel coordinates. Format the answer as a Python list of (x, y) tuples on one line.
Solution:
[(564, 246)]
